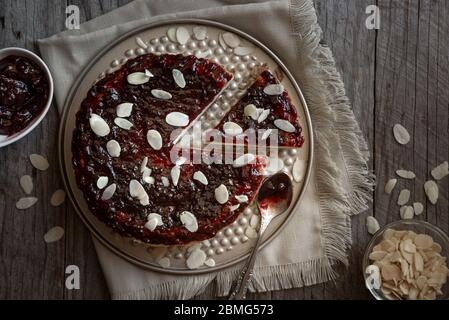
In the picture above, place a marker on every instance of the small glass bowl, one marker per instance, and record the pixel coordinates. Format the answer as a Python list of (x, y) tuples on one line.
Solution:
[(419, 227)]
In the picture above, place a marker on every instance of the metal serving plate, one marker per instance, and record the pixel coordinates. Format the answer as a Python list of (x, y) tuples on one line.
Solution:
[(232, 244)]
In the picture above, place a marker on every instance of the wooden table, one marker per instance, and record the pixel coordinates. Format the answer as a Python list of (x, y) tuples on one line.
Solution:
[(397, 74)]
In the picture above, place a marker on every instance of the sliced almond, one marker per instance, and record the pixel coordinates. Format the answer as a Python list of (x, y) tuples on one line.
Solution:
[(175, 174), (390, 185), (406, 174), (210, 262), (431, 189), (154, 139), (231, 39), (251, 111), (26, 203), (164, 262), (99, 125), (203, 54), (242, 198), (441, 171), (251, 233), (143, 164), (274, 89), (102, 182), (39, 162), (377, 255), (418, 207), (401, 134), (263, 116), (108, 193), (165, 181), (244, 160), (189, 221), (138, 78), (124, 110), (423, 241), (199, 176), (136, 190), (113, 148), (171, 34), (182, 35), (266, 134), (222, 194), (372, 225), (123, 123), (232, 129), (57, 198), (161, 94), (299, 170), (407, 212), (177, 119), (54, 234), (26, 182), (179, 78), (141, 43), (404, 197), (199, 33), (243, 51), (284, 125), (234, 207), (222, 42), (196, 259), (154, 220)]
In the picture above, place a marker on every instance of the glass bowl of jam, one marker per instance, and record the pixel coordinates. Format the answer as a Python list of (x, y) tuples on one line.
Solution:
[(26, 93)]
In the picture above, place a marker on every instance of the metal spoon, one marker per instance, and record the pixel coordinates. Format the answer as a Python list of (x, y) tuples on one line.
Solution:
[(274, 198)]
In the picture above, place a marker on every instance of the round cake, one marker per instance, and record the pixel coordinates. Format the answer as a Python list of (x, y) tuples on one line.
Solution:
[(124, 140)]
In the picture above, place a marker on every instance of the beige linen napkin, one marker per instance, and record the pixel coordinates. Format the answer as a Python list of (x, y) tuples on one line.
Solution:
[(318, 235)]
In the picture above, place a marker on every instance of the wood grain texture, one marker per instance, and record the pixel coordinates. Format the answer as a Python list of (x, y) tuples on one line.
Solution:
[(397, 74)]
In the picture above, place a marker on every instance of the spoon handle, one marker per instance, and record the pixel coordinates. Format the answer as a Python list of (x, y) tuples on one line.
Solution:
[(241, 286)]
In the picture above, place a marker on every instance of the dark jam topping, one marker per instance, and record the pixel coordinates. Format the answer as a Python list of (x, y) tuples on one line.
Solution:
[(280, 107), (24, 90)]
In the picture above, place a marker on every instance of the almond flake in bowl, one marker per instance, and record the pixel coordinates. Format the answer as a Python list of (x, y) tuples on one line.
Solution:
[(406, 260)]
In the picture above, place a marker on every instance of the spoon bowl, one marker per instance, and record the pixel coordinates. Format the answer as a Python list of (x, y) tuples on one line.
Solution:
[(275, 194)]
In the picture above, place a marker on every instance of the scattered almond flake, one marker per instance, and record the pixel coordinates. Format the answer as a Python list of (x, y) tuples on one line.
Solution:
[(102, 182), (210, 262), (406, 174), (284, 125), (165, 181), (251, 233), (242, 198), (171, 34), (275, 164), (123, 123), (222, 42), (26, 203), (154, 220), (372, 225), (179, 78), (251, 111), (243, 51), (199, 176), (143, 164), (57, 198), (26, 182), (141, 43), (109, 192), (244, 160), (189, 221), (54, 234), (234, 207), (390, 185), (423, 241), (136, 190), (196, 259), (154, 139), (266, 134), (418, 207), (180, 161), (404, 197), (149, 74), (203, 54), (175, 173), (206, 243), (145, 200), (146, 172), (39, 162), (299, 170), (263, 116), (177, 119), (232, 129), (138, 78), (401, 134), (274, 89), (441, 171), (407, 212), (98, 125), (254, 221), (113, 148), (161, 94), (194, 247), (199, 33), (182, 35), (222, 194), (431, 189), (231, 39), (124, 110), (149, 180)]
